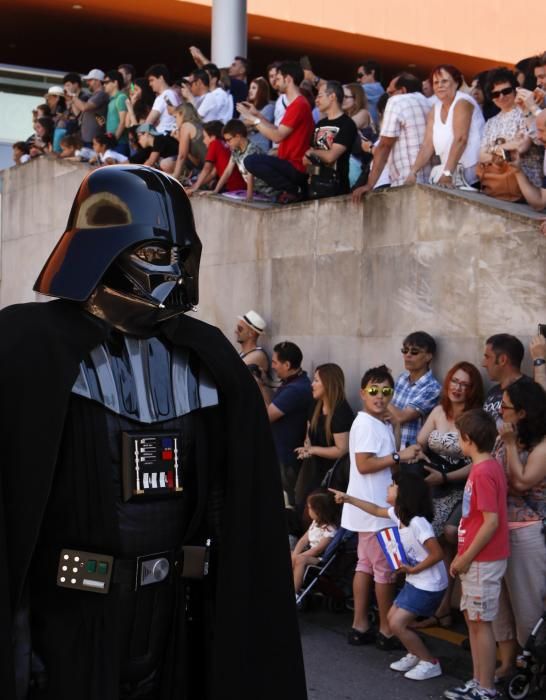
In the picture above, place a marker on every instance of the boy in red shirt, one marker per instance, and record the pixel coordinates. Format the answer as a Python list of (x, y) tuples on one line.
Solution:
[(216, 161), (483, 550)]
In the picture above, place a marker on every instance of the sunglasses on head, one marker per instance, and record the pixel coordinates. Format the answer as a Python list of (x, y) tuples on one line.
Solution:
[(374, 390), (504, 91), (411, 351)]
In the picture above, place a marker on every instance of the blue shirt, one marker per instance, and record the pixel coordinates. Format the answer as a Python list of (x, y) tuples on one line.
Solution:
[(421, 395), (293, 398)]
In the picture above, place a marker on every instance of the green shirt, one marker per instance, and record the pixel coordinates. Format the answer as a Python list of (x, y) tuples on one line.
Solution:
[(115, 106)]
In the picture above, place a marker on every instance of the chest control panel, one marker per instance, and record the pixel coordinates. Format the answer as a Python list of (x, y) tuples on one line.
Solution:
[(150, 465)]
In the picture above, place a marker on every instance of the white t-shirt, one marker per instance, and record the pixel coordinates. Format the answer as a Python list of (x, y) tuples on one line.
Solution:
[(216, 105), (109, 154), (412, 537), (368, 434), (166, 123), (280, 109), (317, 532)]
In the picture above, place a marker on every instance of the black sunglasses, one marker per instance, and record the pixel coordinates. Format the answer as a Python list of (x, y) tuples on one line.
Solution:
[(504, 91), (360, 75), (411, 351)]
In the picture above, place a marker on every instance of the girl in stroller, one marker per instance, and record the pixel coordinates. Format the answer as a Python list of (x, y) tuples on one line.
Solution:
[(323, 513)]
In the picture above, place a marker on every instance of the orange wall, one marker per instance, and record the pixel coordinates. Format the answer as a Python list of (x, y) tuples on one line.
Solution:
[(499, 31)]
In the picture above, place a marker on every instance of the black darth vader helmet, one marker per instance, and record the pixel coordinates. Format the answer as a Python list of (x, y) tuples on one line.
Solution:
[(130, 250)]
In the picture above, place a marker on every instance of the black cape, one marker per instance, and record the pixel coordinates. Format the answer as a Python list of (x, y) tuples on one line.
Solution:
[(249, 633)]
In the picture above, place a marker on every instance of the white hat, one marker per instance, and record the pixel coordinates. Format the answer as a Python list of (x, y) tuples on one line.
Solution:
[(55, 90), (254, 321), (94, 74)]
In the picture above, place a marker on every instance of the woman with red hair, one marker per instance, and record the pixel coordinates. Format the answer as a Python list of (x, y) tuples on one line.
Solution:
[(461, 391)]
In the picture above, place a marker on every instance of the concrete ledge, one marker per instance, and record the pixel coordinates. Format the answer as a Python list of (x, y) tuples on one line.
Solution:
[(345, 281)]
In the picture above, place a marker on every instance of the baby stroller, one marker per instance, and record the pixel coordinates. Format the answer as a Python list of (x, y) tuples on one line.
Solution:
[(333, 575), (531, 674)]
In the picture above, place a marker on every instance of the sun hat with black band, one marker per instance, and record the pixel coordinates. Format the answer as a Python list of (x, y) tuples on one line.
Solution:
[(254, 321)]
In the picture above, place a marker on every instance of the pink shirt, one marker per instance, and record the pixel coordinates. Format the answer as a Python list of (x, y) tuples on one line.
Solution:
[(485, 491)]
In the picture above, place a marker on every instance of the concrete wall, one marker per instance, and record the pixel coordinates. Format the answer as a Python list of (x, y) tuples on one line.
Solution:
[(345, 282)]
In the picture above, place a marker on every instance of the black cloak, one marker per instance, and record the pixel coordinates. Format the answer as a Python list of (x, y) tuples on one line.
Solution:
[(244, 643)]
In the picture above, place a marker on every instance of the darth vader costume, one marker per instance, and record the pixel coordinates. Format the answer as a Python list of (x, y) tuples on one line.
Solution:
[(143, 550)]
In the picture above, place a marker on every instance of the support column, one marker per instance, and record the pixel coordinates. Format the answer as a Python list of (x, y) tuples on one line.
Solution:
[(229, 31)]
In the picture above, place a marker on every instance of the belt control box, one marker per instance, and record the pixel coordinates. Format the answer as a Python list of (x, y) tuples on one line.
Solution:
[(85, 571)]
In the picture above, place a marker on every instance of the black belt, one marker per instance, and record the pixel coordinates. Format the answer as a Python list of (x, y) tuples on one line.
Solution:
[(94, 572)]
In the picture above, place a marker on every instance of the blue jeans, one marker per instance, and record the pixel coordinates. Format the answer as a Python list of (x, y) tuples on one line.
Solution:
[(278, 173)]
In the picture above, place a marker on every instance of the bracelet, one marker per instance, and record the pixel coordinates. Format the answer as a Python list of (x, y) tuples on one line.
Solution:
[(444, 476)]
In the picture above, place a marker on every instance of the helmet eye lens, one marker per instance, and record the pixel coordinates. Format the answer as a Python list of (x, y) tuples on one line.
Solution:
[(155, 254)]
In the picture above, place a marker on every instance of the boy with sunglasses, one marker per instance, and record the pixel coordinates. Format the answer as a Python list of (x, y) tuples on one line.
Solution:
[(416, 391), (373, 456)]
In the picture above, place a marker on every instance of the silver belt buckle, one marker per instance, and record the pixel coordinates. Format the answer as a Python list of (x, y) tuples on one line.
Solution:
[(152, 568)]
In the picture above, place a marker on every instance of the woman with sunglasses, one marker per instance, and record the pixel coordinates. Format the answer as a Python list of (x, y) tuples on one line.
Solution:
[(508, 131), (521, 449), (328, 427), (448, 470)]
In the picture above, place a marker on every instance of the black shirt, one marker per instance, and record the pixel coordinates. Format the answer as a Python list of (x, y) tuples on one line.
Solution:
[(342, 419), (166, 145), (493, 400), (341, 130)]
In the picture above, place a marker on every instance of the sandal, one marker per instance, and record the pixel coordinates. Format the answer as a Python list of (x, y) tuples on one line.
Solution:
[(357, 638), (443, 621)]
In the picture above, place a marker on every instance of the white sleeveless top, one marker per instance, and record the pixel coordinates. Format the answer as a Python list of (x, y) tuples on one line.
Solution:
[(442, 134)]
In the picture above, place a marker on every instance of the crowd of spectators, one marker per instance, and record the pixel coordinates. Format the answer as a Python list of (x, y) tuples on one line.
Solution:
[(297, 135), (469, 473)]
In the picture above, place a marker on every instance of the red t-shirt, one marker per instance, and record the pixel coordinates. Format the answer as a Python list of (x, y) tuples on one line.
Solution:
[(485, 491), (218, 154), (298, 116)]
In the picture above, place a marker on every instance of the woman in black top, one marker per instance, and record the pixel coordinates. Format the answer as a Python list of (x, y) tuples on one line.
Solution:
[(328, 429)]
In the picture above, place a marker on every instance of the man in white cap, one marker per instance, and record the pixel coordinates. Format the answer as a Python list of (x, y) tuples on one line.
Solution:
[(247, 332), (93, 110)]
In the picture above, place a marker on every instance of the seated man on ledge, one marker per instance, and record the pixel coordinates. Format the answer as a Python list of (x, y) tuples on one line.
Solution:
[(293, 135)]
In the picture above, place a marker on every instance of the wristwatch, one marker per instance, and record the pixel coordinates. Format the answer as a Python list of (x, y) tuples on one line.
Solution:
[(539, 361), (447, 173), (396, 457), (256, 121)]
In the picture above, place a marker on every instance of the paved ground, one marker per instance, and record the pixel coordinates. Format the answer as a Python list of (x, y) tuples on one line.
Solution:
[(337, 671)]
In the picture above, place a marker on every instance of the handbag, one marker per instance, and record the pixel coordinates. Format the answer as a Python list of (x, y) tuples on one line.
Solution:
[(498, 179)]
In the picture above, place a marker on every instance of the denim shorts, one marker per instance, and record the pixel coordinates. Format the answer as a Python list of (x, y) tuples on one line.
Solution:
[(418, 601)]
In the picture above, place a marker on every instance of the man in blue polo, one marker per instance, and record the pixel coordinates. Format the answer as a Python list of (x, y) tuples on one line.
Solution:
[(416, 391), (289, 410)]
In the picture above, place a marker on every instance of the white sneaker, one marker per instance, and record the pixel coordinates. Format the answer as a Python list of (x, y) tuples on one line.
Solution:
[(424, 670), (405, 663), (461, 691)]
